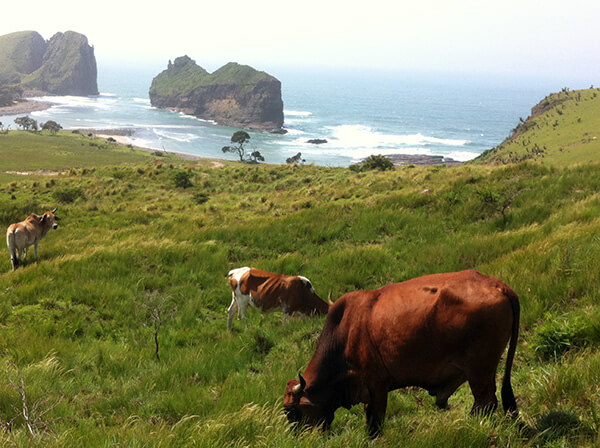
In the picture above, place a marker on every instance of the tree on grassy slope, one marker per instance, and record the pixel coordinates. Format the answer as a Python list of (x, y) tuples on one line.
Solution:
[(27, 123), (51, 126), (240, 138)]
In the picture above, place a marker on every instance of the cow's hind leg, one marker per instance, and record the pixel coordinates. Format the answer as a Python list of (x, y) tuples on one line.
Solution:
[(483, 388), (375, 410), (233, 309)]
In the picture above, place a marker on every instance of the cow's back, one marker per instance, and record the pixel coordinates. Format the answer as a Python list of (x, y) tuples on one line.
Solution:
[(420, 331)]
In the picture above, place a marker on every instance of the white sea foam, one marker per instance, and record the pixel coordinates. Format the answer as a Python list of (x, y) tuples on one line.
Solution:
[(192, 117), (68, 102), (177, 136), (292, 131), (296, 113), (360, 136), (141, 100), (462, 156)]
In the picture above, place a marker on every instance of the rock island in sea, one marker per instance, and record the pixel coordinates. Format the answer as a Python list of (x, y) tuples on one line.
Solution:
[(234, 95), (63, 65)]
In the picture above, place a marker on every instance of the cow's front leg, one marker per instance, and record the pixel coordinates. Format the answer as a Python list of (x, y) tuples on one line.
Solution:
[(375, 410), (35, 247), (233, 308)]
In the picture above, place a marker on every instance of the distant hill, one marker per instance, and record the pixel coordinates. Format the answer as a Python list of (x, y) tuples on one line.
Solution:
[(234, 95), (563, 128), (63, 65)]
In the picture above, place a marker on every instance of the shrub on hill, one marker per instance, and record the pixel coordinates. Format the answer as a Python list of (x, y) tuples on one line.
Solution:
[(182, 179), (373, 162)]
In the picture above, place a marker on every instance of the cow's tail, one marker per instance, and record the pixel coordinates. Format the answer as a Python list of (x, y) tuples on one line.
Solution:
[(508, 397), (12, 248)]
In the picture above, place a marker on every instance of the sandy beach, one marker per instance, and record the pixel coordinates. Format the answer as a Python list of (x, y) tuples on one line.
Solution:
[(24, 107), (122, 137)]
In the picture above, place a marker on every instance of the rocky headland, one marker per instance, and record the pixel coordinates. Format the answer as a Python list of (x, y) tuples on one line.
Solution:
[(234, 95), (421, 160), (63, 65)]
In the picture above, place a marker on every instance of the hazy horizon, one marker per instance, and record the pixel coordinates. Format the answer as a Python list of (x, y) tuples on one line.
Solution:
[(533, 39)]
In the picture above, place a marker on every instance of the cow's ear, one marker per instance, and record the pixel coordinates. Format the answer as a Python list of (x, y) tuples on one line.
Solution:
[(43, 218)]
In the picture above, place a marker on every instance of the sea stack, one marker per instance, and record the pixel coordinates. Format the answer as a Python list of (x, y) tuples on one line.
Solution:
[(234, 95), (63, 65)]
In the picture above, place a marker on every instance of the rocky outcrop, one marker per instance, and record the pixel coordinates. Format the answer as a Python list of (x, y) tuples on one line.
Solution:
[(234, 95), (64, 65)]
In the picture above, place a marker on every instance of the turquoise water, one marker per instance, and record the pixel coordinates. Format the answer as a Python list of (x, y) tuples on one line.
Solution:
[(359, 113)]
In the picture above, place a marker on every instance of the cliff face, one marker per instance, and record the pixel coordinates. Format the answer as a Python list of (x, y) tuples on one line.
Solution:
[(64, 65), (234, 95)]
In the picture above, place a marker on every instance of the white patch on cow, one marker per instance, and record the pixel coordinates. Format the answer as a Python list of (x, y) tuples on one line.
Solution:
[(237, 273), (307, 282), (239, 301)]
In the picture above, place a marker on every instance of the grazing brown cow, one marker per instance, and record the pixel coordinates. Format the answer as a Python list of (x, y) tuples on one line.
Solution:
[(268, 291), (23, 234), (434, 332)]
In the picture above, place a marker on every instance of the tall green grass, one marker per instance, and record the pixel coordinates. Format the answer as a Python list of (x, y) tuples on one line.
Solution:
[(72, 328)]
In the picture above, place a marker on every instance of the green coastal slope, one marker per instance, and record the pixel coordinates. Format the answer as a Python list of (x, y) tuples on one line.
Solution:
[(63, 65), (563, 129), (76, 325), (20, 53)]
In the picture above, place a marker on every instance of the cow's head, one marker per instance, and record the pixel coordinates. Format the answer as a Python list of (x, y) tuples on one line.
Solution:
[(300, 408), (49, 219)]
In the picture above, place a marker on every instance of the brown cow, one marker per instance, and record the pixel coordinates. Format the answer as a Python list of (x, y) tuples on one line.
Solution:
[(268, 291), (23, 234), (434, 332)]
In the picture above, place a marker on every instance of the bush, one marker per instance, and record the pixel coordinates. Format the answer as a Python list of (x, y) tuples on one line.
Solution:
[(555, 337), (201, 198), (68, 194), (182, 179), (373, 162)]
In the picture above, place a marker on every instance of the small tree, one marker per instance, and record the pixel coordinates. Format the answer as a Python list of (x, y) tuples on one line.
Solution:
[(51, 126), (27, 123), (156, 310), (240, 138), (295, 160)]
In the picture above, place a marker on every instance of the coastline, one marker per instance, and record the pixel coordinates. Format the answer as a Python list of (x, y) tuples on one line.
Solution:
[(122, 138), (24, 107)]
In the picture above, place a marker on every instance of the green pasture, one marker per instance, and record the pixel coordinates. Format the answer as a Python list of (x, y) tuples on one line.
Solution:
[(74, 326)]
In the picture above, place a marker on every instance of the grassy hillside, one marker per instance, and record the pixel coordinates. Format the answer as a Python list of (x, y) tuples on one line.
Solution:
[(74, 325), (28, 151), (563, 129), (20, 53)]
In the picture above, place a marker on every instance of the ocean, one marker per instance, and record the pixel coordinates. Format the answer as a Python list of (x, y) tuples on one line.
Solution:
[(359, 113)]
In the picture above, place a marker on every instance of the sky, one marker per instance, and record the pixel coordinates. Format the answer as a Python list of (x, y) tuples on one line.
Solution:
[(510, 37)]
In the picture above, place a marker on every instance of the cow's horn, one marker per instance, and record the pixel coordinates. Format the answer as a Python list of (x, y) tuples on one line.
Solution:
[(299, 388), (54, 211), (329, 298)]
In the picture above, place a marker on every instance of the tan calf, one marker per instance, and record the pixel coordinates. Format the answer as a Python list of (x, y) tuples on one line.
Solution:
[(22, 235)]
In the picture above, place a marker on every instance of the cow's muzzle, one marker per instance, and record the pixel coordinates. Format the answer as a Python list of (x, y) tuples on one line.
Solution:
[(55, 226)]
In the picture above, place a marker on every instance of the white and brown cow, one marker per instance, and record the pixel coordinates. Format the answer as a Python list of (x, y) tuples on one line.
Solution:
[(268, 291), (21, 235)]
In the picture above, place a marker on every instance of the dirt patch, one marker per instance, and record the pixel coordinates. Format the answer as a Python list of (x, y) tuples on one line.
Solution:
[(34, 173)]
